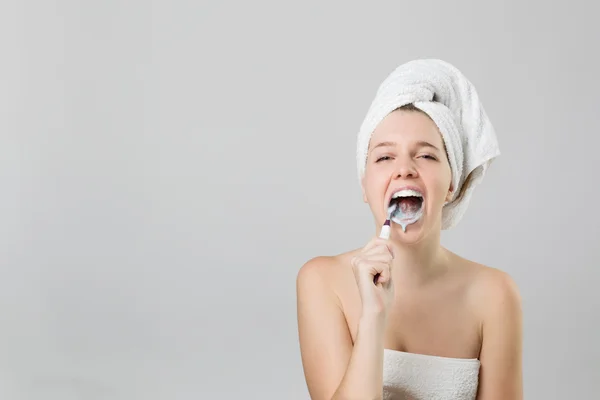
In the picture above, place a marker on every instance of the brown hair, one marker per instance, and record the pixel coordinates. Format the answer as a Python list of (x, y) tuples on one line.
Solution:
[(411, 107)]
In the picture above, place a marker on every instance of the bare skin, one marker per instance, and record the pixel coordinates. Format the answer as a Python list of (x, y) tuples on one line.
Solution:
[(441, 304)]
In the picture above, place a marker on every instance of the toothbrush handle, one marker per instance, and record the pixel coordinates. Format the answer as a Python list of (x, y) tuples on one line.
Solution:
[(385, 232)]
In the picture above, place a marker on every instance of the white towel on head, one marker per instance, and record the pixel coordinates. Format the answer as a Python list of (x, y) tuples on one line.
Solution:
[(444, 93)]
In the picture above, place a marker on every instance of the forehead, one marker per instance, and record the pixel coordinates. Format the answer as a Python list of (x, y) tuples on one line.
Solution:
[(405, 127)]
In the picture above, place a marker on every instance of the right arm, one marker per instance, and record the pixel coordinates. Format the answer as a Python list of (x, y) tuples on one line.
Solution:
[(334, 368)]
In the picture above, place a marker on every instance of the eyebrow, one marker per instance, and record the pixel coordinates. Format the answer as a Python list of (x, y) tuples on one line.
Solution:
[(420, 143)]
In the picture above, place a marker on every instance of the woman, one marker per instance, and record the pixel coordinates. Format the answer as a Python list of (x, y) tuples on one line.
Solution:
[(404, 317)]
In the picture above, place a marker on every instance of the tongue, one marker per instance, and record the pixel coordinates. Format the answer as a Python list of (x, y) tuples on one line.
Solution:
[(410, 205)]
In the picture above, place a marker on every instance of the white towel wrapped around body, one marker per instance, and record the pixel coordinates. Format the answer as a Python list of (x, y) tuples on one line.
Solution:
[(451, 101)]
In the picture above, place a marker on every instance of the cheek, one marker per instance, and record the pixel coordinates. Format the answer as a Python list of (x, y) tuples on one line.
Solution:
[(444, 177), (438, 184), (370, 190), (443, 183), (374, 186), (447, 182)]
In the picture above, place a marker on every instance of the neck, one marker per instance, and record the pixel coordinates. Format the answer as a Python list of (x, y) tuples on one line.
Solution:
[(418, 263)]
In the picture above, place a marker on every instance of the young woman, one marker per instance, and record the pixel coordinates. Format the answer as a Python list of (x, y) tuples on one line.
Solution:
[(404, 317)]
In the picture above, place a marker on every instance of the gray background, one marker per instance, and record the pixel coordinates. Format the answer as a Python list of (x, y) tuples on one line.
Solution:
[(167, 166)]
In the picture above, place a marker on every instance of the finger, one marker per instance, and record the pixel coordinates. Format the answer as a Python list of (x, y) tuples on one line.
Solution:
[(379, 248), (384, 275), (383, 279), (381, 255), (388, 245), (355, 262), (370, 265), (372, 243), (378, 240), (368, 268)]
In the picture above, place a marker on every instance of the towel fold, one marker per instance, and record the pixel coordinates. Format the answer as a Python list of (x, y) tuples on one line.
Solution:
[(451, 101)]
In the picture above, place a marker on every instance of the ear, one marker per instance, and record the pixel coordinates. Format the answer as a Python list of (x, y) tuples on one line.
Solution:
[(450, 192)]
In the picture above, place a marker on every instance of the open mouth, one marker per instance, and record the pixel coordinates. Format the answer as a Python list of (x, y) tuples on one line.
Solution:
[(406, 206)]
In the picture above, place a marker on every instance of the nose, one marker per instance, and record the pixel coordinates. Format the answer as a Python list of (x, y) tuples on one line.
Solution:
[(405, 168)]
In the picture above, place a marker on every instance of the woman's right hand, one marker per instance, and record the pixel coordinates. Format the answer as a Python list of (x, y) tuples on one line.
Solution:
[(372, 271)]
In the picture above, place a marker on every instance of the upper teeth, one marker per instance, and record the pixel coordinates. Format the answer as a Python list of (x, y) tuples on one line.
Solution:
[(406, 193)]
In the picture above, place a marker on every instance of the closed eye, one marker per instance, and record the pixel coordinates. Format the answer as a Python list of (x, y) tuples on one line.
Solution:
[(383, 158)]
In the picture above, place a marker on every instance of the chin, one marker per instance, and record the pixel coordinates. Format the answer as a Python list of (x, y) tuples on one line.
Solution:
[(415, 232)]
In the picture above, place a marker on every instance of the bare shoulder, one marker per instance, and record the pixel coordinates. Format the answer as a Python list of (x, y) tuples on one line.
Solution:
[(495, 297), (495, 283), (492, 289), (316, 269), (326, 272), (325, 340)]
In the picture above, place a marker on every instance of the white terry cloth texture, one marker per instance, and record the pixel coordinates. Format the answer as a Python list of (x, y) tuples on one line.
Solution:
[(451, 101), (409, 376)]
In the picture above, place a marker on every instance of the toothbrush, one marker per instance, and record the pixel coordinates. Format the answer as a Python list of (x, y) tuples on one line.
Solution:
[(385, 230), (384, 234)]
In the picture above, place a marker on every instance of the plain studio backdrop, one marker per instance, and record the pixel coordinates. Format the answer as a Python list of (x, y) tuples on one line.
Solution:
[(166, 168)]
